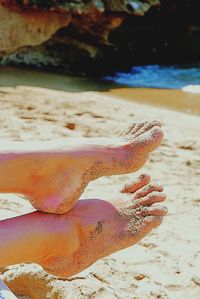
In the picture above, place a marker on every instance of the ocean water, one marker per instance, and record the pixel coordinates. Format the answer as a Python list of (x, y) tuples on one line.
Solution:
[(167, 77), (174, 87), (171, 87)]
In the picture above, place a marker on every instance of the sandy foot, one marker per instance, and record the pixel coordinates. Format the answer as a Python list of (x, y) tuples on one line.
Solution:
[(58, 175), (96, 228)]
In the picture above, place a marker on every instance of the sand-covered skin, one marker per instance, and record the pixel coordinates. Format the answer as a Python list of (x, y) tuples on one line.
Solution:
[(166, 263)]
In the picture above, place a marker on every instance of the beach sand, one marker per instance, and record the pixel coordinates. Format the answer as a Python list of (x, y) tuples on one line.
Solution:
[(166, 263)]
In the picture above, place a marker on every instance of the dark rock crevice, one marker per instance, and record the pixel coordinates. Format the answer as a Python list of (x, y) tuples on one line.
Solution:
[(100, 37)]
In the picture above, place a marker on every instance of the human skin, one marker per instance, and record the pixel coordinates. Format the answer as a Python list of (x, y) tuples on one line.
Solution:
[(54, 174), (64, 245)]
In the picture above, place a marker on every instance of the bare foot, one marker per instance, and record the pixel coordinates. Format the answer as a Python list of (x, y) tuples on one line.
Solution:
[(96, 228), (57, 174)]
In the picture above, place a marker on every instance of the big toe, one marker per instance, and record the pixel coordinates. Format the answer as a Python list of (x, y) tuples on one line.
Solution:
[(143, 226), (150, 140), (150, 222)]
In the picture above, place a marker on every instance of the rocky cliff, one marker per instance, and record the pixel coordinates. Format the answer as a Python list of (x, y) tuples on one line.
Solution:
[(98, 36)]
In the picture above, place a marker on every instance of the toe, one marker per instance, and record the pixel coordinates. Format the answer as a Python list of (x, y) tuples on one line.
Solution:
[(138, 127), (149, 199), (151, 222), (141, 181), (133, 128), (150, 140), (147, 190), (151, 211), (147, 127), (145, 225)]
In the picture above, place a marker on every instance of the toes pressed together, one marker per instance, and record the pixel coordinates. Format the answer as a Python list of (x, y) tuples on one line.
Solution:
[(146, 127), (136, 129), (144, 197)]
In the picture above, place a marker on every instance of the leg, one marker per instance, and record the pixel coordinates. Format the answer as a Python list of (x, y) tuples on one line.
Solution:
[(53, 175), (67, 244)]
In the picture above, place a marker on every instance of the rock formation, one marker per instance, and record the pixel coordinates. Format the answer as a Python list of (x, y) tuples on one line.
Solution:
[(97, 36)]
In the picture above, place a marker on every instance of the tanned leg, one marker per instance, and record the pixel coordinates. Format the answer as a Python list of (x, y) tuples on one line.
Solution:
[(67, 244), (53, 175)]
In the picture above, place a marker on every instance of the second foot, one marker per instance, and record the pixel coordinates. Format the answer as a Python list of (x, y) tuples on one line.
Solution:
[(97, 228)]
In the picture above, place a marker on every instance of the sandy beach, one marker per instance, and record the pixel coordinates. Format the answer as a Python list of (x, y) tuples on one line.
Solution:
[(166, 263)]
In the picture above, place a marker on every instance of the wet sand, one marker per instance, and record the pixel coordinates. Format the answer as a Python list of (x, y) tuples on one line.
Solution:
[(167, 98), (174, 99), (165, 264)]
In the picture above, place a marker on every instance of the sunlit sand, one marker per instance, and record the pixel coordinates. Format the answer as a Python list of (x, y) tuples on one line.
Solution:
[(40, 106)]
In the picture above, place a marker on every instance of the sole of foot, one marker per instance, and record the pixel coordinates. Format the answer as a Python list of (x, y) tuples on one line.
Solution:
[(96, 228)]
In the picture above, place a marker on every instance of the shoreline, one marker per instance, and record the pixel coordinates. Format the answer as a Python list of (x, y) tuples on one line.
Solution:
[(173, 99)]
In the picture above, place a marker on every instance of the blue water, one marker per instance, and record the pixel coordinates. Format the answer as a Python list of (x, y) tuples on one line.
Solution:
[(155, 76)]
